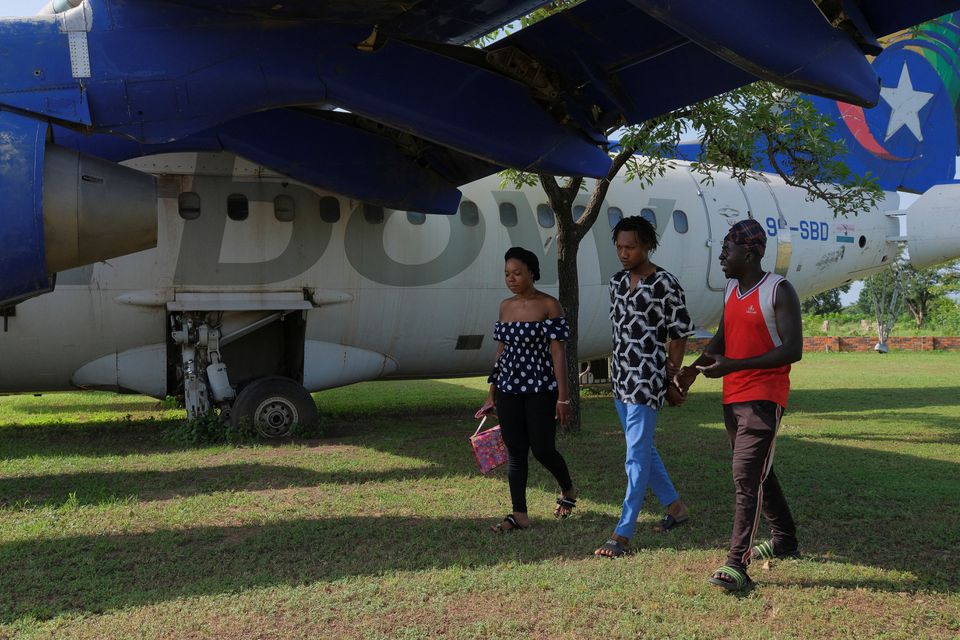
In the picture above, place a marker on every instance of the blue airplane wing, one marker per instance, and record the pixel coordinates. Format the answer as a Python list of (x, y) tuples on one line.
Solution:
[(270, 80), (447, 21)]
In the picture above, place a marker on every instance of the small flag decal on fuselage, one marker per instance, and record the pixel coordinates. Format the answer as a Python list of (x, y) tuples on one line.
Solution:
[(844, 232)]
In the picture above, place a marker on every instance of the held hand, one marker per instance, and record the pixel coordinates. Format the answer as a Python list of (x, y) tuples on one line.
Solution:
[(685, 377), (675, 395), (563, 414), (721, 366)]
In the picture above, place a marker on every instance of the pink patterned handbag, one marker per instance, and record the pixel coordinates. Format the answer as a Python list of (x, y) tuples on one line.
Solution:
[(488, 447)]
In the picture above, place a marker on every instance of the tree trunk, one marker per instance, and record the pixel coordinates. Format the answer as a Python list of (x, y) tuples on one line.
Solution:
[(570, 301), (569, 234), (917, 312)]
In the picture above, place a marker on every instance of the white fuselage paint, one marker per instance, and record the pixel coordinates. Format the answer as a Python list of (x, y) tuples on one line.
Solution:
[(113, 308)]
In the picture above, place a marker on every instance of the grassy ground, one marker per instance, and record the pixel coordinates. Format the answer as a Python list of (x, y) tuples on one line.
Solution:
[(379, 529)]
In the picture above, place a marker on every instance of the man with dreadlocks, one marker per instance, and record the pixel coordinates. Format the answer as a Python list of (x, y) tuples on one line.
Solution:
[(759, 337)]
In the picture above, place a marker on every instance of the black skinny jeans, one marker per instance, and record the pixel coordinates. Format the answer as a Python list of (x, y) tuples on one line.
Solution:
[(528, 421)]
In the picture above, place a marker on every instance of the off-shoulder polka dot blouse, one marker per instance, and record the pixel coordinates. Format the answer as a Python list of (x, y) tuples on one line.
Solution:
[(525, 366)]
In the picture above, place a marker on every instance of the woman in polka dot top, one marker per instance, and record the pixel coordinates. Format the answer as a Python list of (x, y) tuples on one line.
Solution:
[(529, 397)]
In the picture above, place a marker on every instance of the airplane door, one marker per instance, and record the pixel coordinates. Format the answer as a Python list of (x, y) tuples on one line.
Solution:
[(765, 208), (724, 204)]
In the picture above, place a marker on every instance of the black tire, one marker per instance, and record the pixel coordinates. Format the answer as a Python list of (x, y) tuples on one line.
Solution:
[(274, 406)]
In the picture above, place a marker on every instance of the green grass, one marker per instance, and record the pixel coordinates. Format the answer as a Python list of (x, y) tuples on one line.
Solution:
[(379, 529)]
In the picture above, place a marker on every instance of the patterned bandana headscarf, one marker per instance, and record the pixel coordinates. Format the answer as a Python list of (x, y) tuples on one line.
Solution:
[(750, 235)]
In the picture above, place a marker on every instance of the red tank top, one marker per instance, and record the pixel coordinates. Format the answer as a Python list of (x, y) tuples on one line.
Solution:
[(750, 329)]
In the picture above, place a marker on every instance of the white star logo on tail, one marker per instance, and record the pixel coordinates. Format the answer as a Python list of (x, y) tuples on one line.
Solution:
[(905, 104)]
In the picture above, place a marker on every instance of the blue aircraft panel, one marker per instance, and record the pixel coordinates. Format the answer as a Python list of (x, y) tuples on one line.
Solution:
[(452, 21), (653, 71), (889, 16), (148, 76), (23, 268), (369, 166)]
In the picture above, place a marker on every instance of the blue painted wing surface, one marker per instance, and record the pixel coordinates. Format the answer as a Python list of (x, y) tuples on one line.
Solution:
[(617, 57), (23, 269), (889, 16), (262, 78), (448, 21)]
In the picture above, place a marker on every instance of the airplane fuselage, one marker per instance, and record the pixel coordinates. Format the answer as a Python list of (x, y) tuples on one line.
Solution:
[(391, 293)]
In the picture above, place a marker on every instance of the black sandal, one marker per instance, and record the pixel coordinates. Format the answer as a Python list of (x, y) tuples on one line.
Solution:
[(567, 503), (509, 519), (616, 548), (668, 522)]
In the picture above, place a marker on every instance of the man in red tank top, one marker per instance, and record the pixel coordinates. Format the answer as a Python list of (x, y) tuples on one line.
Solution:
[(759, 337)]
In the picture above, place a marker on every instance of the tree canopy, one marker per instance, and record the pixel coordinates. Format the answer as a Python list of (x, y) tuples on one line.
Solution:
[(919, 289), (824, 303)]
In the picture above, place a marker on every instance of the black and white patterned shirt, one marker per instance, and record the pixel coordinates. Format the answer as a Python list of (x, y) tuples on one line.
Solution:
[(526, 366), (643, 320)]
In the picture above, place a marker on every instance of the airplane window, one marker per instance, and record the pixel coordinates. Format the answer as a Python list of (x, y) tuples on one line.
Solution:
[(189, 205), (545, 216), (238, 208), (372, 213), (284, 208), (578, 211), (614, 215), (649, 216), (508, 214), (680, 224), (469, 214), (415, 217), (330, 209)]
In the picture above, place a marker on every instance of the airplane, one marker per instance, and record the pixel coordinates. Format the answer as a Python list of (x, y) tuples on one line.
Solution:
[(274, 289), (377, 101), (263, 287)]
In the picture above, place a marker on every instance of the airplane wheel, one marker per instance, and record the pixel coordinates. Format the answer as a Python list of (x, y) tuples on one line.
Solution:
[(274, 405)]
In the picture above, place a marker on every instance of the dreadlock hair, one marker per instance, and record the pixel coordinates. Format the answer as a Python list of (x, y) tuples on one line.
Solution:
[(642, 227), (528, 258)]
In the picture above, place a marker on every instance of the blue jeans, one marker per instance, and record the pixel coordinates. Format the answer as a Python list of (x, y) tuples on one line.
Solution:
[(643, 465)]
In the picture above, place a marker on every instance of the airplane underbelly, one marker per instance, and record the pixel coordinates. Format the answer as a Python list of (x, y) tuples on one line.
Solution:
[(51, 337)]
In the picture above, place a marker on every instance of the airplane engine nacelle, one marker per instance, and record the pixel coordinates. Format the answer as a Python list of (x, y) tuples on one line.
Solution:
[(60, 209)]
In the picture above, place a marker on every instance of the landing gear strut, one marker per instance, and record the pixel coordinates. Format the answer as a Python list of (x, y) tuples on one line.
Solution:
[(205, 381)]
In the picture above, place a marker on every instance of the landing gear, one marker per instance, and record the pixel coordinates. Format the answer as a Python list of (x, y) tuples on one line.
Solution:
[(274, 405), (265, 356), (204, 374)]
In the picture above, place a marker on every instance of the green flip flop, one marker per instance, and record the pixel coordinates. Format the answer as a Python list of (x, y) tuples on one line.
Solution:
[(738, 579)]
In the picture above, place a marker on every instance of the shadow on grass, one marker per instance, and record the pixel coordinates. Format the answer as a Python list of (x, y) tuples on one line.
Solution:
[(112, 406), (90, 488), (100, 439), (146, 437), (828, 401), (93, 574), (882, 509)]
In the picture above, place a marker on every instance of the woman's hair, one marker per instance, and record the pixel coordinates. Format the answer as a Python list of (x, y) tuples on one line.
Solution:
[(528, 258), (645, 231)]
